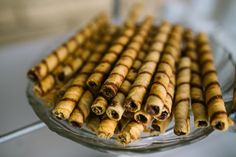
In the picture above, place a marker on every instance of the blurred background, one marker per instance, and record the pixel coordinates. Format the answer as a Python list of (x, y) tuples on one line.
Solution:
[(30, 29), (28, 19)]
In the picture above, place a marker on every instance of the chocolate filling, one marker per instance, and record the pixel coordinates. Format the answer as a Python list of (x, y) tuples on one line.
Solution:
[(202, 123), (163, 115), (114, 114), (156, 127), (141, 118), (153, 110)]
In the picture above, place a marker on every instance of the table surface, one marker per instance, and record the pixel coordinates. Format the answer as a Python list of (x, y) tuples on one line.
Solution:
[(15, 60)]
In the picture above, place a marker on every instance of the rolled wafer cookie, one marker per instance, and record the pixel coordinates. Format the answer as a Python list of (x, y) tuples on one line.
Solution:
[(197, 98), (138, 90), (78, 60), (82, 110), (99, 105), (166, 111), (130, 133), (106, 128), (182, 97)]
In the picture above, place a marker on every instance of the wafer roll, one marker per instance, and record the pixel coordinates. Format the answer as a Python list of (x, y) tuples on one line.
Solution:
[(182, 98), (99, 105), (158, 93), (166, 111), (165, 27), (123, 65), (122, 124), (188, 35), (67, 104), (95, 45), (97, 78), (58, 75), (76, 63), (82, 111), (197, 100), (106, 128), (213, 96), (142, 117), (202, 39), (47, 65), (45, 85), (116, 109), (161, 126), (139, 88), (130, 133)]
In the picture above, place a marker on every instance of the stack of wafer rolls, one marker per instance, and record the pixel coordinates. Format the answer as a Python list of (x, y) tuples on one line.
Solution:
[(134, 99), (125, 62), (122, 81), (95, 81), (43, 73), (45, 86), (182, 97), (158, 93), (167, 108), (72, 95), (120, 71), (217, 114), (197, 98), (115, 110), (75, 62)]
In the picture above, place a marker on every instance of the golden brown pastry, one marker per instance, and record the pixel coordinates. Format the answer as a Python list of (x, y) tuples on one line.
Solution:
[(125, 62), (213, 96), (130, 133), (182, 98), (139, 88), (197, 98), (158, 93), (66, 105), (116, 108), (106, 128)]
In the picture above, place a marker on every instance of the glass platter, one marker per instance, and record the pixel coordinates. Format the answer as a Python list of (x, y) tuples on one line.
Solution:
[(146, 144)]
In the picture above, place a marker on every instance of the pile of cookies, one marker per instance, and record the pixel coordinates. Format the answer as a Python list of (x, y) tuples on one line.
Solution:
[(135, 77)]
